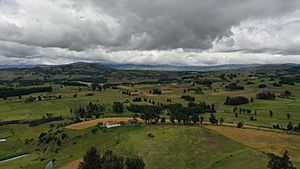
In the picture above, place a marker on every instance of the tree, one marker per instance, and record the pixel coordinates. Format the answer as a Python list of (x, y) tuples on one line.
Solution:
[(163, 120), (195, 118), (135, 163), (240, 125), (283, 162), (201, 119), (270, 113), (290, 126), (288, 115), (266, 96), (234, 86), (188, 98), (155, 91), (91, 160), (286, 94), (221, 120), (213, 119), (198, 90), (118, 107), (172, 119), (262, 85), (94, 86), (236, 100), (107, 160)]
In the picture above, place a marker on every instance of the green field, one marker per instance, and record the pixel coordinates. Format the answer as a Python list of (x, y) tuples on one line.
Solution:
[(173, 146)]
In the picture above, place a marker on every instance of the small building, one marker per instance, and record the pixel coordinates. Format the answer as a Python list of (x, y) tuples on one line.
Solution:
[(111, 124)]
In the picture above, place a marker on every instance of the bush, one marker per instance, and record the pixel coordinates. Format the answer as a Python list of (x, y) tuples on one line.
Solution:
[(265, 96), (286, 94), (155, 91), (240, 125), (276, 126), (277, 84), (236, 100), (150, 135), (118, 107), (213, 119), (283, 162), (262, 85), (252, 118), (234, 86), (290, 126), (94, 130), (188, 98)]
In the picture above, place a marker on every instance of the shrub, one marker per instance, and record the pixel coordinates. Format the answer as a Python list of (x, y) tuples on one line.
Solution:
[(236, 100), (262, 85), (277, 162), (265, 96), (290, 126), (155, 91), (234, 86), (277, 84), (213, 119), (150, 135), (240, 125), (118, 107), (188, 98)]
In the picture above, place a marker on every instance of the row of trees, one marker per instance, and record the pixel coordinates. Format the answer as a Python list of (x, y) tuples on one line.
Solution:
[(10, 92), (46, 119), (197, 90), (89, 111), (151, 113), (108, 160), (265, 96), (190, 113)]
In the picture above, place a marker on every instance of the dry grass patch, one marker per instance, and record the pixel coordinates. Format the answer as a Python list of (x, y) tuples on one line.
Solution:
[(87, 124), (72, 165), (264, 141)]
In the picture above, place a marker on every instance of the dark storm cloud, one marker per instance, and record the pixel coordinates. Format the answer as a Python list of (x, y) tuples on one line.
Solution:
[(143, 31), (188, 24)]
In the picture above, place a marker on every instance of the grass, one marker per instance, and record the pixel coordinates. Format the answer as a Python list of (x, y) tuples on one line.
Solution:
[(264, 141), (171, 147)]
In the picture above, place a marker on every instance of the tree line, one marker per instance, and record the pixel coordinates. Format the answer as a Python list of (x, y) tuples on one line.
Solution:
[(89, 110), (10, 92), (93, 159)]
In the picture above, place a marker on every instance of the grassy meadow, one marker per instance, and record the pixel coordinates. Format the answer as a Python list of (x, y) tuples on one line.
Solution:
[(170, 146)]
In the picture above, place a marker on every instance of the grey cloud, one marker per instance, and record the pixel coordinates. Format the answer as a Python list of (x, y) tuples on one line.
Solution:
[(117, 24), (151, 32)]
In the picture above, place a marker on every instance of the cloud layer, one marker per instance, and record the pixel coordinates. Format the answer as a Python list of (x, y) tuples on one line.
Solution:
[(192, 32)]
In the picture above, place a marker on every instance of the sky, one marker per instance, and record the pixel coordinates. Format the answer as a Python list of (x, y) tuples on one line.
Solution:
[(175, 32)]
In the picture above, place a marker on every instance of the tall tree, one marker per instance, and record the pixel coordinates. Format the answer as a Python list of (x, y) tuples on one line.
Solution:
[(91, 160), (118, 107), (283, 162)]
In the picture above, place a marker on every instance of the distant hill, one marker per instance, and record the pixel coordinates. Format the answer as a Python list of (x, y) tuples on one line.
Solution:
[(79, 68), (95, 68), (178, 68)]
